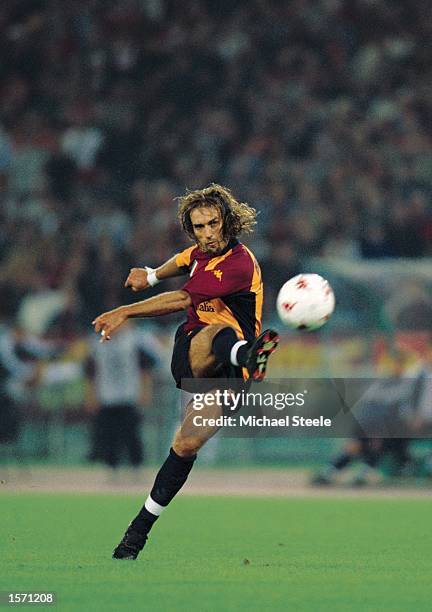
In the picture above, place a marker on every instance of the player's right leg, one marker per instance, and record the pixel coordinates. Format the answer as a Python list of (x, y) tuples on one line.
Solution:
[(219, 345)]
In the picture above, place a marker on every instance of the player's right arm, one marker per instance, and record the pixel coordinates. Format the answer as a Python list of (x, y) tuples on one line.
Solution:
[(156, 306), (138, 278)]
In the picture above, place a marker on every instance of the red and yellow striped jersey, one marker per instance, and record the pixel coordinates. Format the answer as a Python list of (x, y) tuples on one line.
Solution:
[(226, 288)]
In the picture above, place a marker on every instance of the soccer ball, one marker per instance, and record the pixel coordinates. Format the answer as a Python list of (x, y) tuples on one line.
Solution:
[(305, 302)]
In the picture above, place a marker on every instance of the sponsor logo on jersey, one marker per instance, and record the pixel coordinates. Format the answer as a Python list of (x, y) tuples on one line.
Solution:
[(218, 274), (206, 307)]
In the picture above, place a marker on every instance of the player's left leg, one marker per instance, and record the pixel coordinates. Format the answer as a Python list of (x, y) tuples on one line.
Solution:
[(169, 480)]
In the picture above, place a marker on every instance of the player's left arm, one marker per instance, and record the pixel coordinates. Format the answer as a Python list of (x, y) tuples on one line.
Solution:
[(156, 306), (138, 278)]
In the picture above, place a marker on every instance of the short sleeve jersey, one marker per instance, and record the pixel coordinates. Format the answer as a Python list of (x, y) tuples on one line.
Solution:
[(226, 288)]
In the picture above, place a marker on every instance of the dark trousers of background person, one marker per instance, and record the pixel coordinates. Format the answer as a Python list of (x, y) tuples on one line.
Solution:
[(117, 433), (375, 449), (10, 420)]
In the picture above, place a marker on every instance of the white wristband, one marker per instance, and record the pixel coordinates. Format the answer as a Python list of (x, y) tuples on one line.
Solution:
[(152, 279)]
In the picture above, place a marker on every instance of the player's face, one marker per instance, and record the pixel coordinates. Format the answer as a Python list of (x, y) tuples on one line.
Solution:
[(207, 225)]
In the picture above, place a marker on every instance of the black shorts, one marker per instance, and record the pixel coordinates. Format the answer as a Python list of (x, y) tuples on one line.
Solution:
[(180, 366)]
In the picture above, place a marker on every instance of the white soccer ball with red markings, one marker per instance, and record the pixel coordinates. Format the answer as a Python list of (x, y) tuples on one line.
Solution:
[(305, 302)]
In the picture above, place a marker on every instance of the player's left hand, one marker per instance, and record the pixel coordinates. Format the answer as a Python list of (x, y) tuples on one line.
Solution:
[(137, 279), (109, 322)]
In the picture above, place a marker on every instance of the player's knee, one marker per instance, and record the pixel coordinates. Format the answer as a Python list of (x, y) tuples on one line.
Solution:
[(187, 446)]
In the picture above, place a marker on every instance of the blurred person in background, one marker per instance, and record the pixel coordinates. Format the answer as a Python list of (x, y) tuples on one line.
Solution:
[(421, 418), (410, 307), (119, 386), (20, 372), (386, 409)]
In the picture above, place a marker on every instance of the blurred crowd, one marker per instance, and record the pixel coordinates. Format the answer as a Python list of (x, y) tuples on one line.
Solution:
[(316, 112)]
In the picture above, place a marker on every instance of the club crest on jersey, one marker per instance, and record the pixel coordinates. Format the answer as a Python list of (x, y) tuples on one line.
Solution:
[(193, 268), (218, 274)]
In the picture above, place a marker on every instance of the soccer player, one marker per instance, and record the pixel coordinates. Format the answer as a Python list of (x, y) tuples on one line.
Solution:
[(221, 337)]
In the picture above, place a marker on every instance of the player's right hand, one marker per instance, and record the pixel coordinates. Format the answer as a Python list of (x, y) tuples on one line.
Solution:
[(137, 279)]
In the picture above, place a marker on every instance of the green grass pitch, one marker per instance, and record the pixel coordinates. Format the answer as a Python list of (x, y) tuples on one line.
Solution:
[(226, 553)]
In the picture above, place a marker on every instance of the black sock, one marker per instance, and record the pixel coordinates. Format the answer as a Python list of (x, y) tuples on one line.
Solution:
[(342, 461), (223, 343), (371, 458), (168, 482), (370, 453)]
